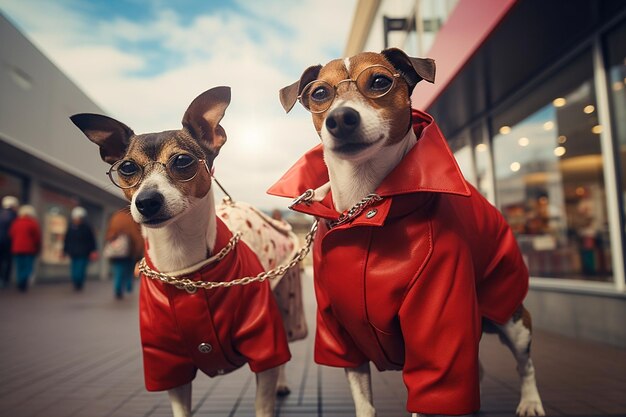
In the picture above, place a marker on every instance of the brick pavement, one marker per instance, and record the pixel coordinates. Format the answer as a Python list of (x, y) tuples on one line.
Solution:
[(66, 354)]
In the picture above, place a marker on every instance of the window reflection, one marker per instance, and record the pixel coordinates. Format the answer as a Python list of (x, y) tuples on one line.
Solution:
[(550, 184)]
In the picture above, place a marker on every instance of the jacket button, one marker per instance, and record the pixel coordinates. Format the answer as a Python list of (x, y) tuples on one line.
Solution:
[(371, 213), (205, 347)]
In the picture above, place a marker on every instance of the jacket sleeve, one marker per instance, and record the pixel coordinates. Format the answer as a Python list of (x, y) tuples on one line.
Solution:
[(37, 237), (92, 239), (441, 326), (66, 241), (503, 283)]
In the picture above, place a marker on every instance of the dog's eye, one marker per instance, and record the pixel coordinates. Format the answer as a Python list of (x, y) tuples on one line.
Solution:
[(128, 168), (183, 161), (380, 83), (320, 94)]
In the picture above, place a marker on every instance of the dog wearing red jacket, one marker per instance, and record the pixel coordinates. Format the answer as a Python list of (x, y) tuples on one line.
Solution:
[(166, 176), (409, 258)]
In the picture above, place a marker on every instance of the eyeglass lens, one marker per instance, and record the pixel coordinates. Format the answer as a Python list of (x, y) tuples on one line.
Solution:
[(373, 82), (180, 167)]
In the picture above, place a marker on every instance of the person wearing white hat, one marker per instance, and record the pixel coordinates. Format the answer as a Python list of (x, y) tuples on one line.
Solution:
[(79, 244), (8, 214)]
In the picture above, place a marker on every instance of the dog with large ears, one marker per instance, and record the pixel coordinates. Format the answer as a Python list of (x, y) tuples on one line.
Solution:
[(409, 258), (166, 176)]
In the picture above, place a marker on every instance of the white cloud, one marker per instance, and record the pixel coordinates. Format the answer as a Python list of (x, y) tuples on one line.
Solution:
[(256, 53)]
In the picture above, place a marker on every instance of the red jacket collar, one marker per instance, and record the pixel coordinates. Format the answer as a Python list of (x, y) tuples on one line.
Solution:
[(428, 167)]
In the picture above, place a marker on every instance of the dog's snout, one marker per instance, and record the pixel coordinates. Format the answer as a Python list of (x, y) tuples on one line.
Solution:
[(342, 122), (149, 202)]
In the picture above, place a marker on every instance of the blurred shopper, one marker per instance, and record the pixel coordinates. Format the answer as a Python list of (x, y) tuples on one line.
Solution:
[(79, 244), (25, 244), (8, 214), (124, 247)]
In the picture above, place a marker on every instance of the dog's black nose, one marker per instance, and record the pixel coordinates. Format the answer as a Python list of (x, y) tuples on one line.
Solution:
[(149, 202), (342, 122)]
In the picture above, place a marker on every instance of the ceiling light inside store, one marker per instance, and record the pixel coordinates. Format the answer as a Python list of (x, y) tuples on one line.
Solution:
[(597, 129), (562, 139), (515, 166), (481, 147), (505, 130), (548, 125), (589, 109), (617, 86), (559, 102), (580, 191), (559, 151), (523, 141)]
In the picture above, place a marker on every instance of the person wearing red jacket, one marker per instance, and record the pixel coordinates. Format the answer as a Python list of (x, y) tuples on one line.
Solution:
[(25, 244)]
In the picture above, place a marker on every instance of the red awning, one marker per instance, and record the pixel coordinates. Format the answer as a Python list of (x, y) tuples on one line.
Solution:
[(467, 27)]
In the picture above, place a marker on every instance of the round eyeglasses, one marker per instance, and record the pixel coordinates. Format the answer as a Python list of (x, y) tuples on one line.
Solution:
[(373, 82), (181, 167)]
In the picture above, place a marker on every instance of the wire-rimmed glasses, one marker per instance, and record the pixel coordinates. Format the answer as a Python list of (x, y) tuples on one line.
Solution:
[(181, 167), (373, 82)]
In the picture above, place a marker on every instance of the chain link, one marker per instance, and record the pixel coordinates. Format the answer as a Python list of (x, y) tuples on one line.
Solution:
[(355, 210), (191, 286)]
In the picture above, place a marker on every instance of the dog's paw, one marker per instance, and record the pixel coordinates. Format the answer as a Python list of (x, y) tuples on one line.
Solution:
[(282, 391), (530, 408)]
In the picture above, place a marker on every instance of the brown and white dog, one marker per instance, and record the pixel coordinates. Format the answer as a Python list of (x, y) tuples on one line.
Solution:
[(166, 176), (364, 137)]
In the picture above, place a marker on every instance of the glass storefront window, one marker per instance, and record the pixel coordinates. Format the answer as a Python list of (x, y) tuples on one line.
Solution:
[(57, 207), (549, 177), (462, 149), (484, 174), (13, 185)]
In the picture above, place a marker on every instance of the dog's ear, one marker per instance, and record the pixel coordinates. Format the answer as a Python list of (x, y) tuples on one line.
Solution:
[(202, 118), (289, 95), (110, 135), (413, 70)]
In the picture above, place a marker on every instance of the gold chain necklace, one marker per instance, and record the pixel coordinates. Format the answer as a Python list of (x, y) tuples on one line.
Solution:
[(192, 286)]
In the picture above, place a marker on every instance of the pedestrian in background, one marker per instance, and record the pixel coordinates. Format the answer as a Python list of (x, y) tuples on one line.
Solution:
[(123, 247), (25, 244), (79, 244), (8, 214)]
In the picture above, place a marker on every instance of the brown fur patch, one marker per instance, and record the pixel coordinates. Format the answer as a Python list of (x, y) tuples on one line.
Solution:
[(394, 106), (160, 147)]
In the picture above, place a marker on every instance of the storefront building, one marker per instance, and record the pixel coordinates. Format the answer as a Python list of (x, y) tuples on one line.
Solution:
[(531, 96), (44, 160)]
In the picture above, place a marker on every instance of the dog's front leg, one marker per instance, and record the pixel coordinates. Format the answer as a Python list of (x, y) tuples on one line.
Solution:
[(360, 381), (265, 401), (180, 399)]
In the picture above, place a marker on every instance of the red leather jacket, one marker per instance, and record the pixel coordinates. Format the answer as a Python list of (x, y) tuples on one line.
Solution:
[(405, 283), (217, 330), (25, 236)]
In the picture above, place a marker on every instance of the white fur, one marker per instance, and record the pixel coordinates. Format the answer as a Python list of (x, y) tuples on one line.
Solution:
[(188, 237), (346, 63), (360, 381), (353, 177), (517, 337)]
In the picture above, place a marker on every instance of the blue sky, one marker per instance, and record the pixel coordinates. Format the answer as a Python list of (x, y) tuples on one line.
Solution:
[(143, 61)]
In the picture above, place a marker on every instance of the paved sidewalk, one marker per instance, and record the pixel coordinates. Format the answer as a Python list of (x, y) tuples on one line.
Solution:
[(67, 354)]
